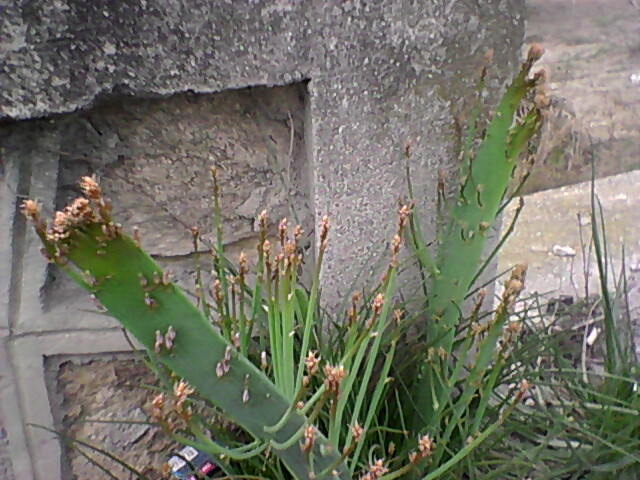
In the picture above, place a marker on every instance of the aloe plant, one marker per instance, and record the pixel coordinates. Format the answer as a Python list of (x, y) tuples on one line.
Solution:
[(255, 353), (85, 242), (485, 175)]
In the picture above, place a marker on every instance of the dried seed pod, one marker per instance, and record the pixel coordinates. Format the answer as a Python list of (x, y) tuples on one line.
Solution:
[(333, 377), (356, 432), (157, 347), (324, 233), (377, 304), (309, 439), (282, 232), (245, 392), (148, 301), (535, 53), (311, 362), (169, 338), (157, 407)]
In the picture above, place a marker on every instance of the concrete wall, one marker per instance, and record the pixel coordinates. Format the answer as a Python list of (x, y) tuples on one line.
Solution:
[(149, 95)]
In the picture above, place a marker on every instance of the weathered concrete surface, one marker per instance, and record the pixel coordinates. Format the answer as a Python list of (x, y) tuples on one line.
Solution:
[(550, 218), (147, 76), (58, 56), (6, 469), (12, 437), (397, 70), (85, 388), (28, 355)]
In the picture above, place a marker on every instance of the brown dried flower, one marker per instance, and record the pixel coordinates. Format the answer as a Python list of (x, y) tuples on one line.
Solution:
[(377, 304), (75, 215), (282, 231), (181, 392), (262, 218), (311, 362), (425, 446), (353, 311), (91, 188), (217, 290), (535, 53), (357, 432), (514, 286), (333, 377), (309, 439), (242, 265), (31, 210), (157, 407), (403, 215), (324, 233), (266, 248), (376, 470), (395, 245)]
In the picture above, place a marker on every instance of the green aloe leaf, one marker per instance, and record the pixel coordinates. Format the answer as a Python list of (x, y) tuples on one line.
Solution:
[(485, 178)]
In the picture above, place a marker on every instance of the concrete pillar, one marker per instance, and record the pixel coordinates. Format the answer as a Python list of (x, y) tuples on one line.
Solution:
[(149, 95)]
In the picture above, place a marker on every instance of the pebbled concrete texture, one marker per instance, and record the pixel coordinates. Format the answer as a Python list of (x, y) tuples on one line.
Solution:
[(312, 98), (399, 70), (58, 56)]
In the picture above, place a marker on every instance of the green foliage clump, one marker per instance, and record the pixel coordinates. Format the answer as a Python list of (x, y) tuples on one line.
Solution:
[(404, 388)]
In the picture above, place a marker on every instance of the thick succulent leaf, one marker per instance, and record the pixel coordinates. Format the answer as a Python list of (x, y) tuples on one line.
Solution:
[(476, 209)]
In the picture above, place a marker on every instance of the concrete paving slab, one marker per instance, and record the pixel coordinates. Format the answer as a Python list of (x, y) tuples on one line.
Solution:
[(9, 178), (40, 163), (27, 354), (550, 218), (14, 454), (548, 238), (591, 57)]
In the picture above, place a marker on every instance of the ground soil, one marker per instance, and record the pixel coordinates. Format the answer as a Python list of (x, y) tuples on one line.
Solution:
[(592, 55)]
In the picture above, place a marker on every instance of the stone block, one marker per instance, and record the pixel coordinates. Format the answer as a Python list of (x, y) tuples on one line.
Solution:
[(27, 355), (108, 388), (15, 459), (153, 159), (401, 62), (312, 101), (9, 178)]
